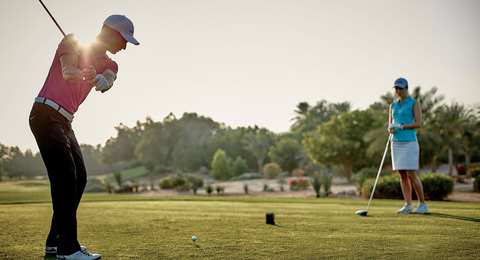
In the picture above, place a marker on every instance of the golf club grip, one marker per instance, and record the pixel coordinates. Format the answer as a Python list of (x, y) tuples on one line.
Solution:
[(60, 28)]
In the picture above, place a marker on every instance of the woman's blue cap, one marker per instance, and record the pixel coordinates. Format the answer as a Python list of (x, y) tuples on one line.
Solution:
[(401, 83)]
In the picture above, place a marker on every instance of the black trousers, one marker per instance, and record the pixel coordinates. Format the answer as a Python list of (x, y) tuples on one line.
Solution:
[(66, 171)]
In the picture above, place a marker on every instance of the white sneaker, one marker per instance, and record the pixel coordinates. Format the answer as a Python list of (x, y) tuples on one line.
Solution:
[(52, 250), (80, 255), (422, 208), (406, 209)]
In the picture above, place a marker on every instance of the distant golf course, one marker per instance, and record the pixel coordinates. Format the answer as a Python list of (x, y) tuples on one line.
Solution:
[(227, 227)]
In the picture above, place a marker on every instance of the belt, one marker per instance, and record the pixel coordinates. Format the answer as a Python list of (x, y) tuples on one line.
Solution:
[(55, 106)]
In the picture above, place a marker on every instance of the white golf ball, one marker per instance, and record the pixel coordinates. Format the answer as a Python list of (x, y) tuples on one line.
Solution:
[(194, 238)]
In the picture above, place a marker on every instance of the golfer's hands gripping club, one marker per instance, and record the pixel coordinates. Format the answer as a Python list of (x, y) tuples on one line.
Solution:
[(102, 82), (89, 74), (393, 126), (98, 80)]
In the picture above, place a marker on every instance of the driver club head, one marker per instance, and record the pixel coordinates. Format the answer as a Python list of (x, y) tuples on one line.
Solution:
[(362, 212)]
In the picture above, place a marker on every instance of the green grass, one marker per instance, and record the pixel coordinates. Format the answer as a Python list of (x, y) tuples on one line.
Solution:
[(127, 175), (148, 227), (24, 191)]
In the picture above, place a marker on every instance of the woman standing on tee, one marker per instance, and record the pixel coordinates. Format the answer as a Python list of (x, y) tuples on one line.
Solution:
[(405, 116)]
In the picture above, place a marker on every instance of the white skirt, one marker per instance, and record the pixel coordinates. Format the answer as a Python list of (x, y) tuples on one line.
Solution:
[(405, 155)]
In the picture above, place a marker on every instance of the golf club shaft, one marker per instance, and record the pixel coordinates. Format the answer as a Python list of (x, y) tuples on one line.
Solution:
[(51, 16), (379, 170)]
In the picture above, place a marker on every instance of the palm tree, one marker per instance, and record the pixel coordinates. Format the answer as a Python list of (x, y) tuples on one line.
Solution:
[(317, 115), (431, 145), (429, 101), (323, 111), (428, 135), (308, 118), (387, 99), (301, 115), (452, 121), (470, 138), (341, 107)]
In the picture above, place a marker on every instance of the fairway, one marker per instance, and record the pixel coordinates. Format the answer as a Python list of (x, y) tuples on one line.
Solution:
[(141, 227)]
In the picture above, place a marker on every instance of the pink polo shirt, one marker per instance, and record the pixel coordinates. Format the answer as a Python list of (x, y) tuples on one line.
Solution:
[(68, 94)]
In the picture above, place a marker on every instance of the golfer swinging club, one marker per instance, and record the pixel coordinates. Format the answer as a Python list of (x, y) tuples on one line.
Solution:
[(69, 81), (405, 116)]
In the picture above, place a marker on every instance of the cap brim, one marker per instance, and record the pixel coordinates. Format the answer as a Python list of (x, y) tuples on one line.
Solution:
[(396, 86), (130, 39)]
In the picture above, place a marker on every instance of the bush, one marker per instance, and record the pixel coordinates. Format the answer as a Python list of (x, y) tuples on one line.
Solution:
[(164, 183), (322, 179), (239, 166), (247, 176), (178, 181), (220, 189), (181, 181), (436, 186), (94, 185), (194, 179), (476, 184), (299, 183), (326, 179), (316, 184), (221, 165), (473, 171), (363, 175), (388, 187), (461, 169), (272, 170), (209, 189)]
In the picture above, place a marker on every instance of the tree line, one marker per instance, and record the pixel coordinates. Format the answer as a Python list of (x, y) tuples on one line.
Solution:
[(321, 135)]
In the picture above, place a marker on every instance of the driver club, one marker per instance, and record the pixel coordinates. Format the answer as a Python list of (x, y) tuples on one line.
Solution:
[(364, 212)]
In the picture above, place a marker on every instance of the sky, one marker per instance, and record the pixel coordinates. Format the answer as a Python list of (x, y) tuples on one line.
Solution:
[(242, 63)]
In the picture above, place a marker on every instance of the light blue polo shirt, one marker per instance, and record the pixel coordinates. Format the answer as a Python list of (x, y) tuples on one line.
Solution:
[(403, 114)]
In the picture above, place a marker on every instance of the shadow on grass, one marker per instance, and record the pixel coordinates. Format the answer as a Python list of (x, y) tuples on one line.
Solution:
[(441, 215), (275, 225)]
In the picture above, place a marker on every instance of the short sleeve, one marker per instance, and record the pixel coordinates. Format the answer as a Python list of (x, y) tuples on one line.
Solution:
[(65, 47)]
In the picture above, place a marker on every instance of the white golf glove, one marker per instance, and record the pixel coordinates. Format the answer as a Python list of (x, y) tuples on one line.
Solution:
[(395, 125), (102, 84)]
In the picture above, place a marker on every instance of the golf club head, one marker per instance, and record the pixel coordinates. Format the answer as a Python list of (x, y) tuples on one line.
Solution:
[(362, 212)]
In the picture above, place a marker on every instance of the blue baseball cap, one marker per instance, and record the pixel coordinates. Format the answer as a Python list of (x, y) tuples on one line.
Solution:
[(123, 25), (401, 83)]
